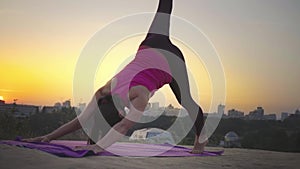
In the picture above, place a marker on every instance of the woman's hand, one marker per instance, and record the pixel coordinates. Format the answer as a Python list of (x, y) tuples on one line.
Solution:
[(95, 148), (37, 139)]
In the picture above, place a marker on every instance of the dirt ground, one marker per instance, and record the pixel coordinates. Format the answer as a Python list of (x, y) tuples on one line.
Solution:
[(15, 157)]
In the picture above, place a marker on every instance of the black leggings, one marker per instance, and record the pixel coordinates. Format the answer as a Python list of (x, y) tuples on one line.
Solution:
[(158, 37)]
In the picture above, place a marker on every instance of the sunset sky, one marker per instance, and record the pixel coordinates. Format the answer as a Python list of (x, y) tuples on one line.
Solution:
[(258, 43)]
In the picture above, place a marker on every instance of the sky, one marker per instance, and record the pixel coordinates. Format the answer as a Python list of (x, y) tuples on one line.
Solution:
[(257, 42)]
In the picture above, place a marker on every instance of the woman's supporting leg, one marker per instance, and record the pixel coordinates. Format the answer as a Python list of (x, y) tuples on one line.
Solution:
[(181, 88), (161, 22)]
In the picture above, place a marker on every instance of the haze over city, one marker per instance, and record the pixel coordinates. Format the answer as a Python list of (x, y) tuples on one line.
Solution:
[(257, 41)]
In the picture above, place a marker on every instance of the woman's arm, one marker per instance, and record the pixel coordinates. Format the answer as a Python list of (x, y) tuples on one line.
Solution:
[(67, 128), (75, 123), (61, 131), (139, 99)]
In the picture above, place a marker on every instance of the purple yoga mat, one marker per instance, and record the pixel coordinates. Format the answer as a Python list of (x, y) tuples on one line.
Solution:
[(64, 148)]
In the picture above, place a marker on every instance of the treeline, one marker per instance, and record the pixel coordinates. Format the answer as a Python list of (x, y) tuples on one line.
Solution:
[(254, 134), (260, 134), (35, 125), (267, 135)]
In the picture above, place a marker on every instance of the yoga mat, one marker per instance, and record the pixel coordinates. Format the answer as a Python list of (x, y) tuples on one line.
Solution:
[(64, 148)]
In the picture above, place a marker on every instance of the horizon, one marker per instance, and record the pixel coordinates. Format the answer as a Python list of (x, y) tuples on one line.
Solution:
[(278, 114), (41, 42)]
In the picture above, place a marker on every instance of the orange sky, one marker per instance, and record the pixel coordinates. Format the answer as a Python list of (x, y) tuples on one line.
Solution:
[(41, 42)]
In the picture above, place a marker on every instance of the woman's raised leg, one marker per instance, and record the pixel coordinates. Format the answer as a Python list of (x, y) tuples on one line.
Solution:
[(161, 22)]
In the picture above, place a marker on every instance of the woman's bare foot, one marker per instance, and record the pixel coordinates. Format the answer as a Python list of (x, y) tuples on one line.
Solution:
[(199, 147)]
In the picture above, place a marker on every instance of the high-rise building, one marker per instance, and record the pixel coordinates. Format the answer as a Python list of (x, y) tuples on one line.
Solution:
[(284, 115), (221, 109), (155, 106), (257, 114), (57, 105), (66, 104), (297, 112), (81, 106), (235, 114), (260, 111), (270, 117)]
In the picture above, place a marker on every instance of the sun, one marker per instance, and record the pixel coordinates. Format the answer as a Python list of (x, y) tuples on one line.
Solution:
[(1, 98)]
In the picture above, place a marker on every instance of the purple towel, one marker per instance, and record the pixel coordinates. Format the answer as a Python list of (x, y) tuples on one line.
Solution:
[(64, 148)]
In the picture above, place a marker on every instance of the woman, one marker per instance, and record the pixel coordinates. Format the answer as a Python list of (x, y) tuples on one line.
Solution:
[(157, 62)]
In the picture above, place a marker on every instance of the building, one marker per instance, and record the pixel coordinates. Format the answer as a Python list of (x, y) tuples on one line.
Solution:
[(171, 111), (155, 106), (231, 140), (284, 115), (49, 109), (214, 115), (270, 117), (260, 111), (81, 106), (235, 114), (58, 105), (221, 109), (295, 116), (2, 102), (19, 110), (66, 104), (297, 112), (23, 111), (257, 114), (182, 113)]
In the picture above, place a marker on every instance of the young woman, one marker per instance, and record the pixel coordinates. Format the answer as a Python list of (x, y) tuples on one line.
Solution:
[(157, 62)]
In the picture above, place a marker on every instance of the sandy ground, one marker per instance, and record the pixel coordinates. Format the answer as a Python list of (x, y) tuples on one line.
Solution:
[(21, 158)]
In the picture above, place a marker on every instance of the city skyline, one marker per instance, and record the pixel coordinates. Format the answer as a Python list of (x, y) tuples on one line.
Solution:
[(257, 42), (229, 112)]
